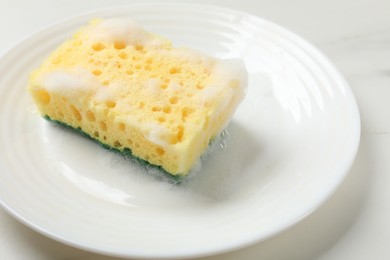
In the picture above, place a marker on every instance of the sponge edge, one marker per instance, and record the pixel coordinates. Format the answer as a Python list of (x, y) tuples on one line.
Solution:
[(131, 90)]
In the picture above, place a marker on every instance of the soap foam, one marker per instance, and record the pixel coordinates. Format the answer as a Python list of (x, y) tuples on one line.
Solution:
[(191, 56), (156, 134), (122, 30), (111, 92), (229, 73), (68, 83), (152, 87)]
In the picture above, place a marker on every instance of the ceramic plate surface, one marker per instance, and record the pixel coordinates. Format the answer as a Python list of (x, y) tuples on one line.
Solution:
[(288, 147)]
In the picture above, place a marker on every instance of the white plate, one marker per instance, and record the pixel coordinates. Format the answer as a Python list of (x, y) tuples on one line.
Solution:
[(289, 146)]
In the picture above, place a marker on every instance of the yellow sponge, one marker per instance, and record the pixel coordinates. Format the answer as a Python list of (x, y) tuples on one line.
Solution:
[(130, 89)]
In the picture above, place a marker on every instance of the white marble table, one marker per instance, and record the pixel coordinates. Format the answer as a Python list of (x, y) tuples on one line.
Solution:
[(355, 35)]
